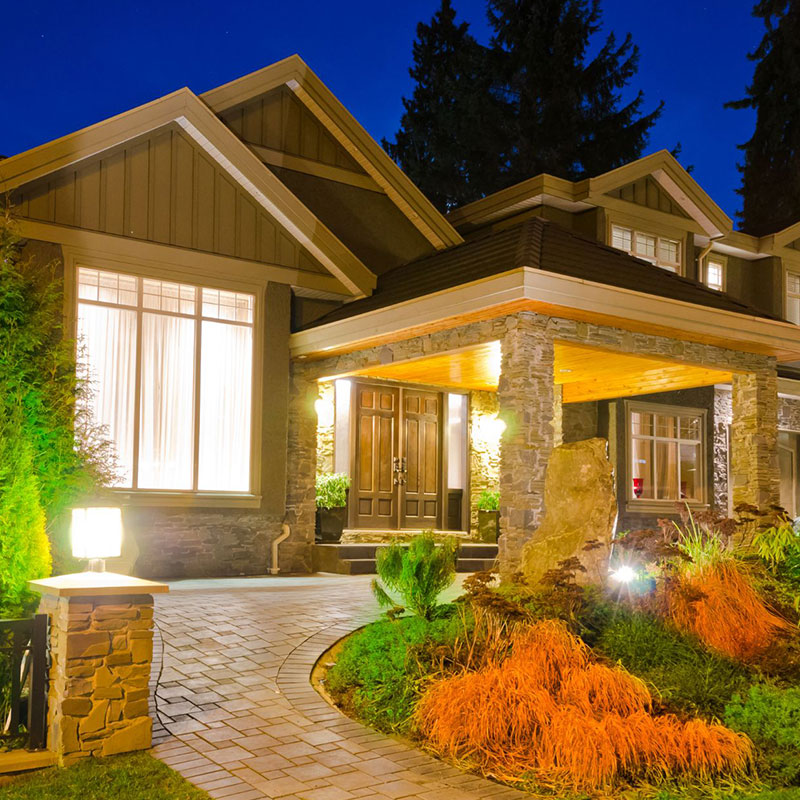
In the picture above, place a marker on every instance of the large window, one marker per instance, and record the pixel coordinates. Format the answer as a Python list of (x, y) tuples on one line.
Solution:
[(658, 250), (666, 453), (171, 370), (793, 297)]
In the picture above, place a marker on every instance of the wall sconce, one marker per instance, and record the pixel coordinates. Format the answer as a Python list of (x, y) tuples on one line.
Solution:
[(489, 428), (96, 535), (325, 412)]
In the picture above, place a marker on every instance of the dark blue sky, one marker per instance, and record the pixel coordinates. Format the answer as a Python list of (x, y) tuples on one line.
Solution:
[(69, 64)]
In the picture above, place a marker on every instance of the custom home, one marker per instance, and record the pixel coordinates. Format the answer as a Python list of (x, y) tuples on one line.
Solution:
[(261, 295)]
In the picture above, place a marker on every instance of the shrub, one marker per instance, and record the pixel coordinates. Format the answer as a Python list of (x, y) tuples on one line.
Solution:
[(332, 490), (418, 572), (771, 718), (380, 670), (548, 710), (688, 676), (489, 501)]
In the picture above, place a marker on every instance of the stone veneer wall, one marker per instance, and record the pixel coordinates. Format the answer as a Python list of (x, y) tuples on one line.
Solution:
[(484, 456), (326, 433), (578, 421), (101, 651)]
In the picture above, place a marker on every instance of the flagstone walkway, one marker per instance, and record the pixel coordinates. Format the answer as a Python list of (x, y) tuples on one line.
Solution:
[(235, 711)]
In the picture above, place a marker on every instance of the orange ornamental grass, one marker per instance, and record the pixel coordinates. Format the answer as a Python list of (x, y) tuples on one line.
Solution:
[(548, 710), (719, 605)]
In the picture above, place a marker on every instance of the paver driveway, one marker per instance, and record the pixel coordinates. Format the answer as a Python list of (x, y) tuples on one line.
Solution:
[(236, 714)]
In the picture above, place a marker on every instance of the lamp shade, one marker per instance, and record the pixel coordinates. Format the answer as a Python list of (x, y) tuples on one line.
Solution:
[(96, 532)]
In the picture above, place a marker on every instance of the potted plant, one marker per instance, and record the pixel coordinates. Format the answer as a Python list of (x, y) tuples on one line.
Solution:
[(488, 516), (332, 492)]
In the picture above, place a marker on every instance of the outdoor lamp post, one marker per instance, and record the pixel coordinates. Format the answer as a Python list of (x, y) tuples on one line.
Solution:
[(97, 535)]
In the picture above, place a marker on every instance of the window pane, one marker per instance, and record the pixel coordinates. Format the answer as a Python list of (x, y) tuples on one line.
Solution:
[(641, 423), (177, 298), (642, 468), (793, 309), (234, 306), (714, 272), (456, 441), (225, 390), (107, 345), (107, 287), (793, 282), (690, 427), (667, 426), (167, 401), (667, 470), (690, 475), (645, 245), (668, 250), (621, 238)]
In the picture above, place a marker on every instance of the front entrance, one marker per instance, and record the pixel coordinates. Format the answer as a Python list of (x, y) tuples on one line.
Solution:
[(396, 458)]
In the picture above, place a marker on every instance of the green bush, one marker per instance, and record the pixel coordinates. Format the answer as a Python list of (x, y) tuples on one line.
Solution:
[(686, 675), (332, 490), (417, 573), (489, 501), (771, 718), (381, 668)]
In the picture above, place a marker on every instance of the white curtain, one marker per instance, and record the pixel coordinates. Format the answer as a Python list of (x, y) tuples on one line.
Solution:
[(107, 341), (167, 402), (225, 407)]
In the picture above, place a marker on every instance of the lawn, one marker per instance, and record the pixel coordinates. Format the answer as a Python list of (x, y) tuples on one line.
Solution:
[(138, 776)]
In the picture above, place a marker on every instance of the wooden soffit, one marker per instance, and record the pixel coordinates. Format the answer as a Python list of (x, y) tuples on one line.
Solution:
[(584, 373)]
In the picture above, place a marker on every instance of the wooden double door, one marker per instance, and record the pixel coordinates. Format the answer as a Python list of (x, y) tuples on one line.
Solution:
[(397, 458)]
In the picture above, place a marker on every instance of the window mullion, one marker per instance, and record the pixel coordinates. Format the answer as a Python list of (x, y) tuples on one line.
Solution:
[(196, 411), (137, 397)]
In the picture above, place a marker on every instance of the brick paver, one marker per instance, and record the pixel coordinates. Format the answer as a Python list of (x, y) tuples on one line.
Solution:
[(235, 711)]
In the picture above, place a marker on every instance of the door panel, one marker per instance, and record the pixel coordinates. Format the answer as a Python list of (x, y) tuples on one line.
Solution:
[(375, 503), (421, 505)]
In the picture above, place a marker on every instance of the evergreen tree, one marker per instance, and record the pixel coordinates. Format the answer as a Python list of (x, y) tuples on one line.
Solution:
[(444, 141), (771, 170), (484, 118), (564, 115)]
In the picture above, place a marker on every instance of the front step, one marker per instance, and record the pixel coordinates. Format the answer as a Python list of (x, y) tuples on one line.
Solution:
[(359, 559)]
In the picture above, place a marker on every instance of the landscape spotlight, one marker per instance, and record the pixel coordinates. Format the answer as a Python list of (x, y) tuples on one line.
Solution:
[(624, 574)]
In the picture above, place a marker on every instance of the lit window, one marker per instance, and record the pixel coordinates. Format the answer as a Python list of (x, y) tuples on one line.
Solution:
[(715, 274), (666, 449), (658, 250), (793, 297), (170, 367)]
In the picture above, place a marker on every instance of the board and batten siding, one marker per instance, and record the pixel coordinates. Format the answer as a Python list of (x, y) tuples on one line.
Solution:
[(646, 192), (163, 188), (279, 121)]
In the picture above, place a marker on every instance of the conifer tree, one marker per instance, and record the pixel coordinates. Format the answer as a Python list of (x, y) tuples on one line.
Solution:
[(442, 142), (771, 170)]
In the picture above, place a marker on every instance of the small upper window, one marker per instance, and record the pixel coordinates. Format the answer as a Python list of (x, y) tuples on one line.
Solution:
[(658, 250), (715, 274), (793, 297)]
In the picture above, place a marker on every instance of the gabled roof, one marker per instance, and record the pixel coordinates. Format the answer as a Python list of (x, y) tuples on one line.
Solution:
[(785, 237), (298, 76), (539, 244), (584, 194), (194, 116)]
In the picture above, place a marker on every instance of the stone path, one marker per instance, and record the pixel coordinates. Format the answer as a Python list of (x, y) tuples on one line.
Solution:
[(236, 714)]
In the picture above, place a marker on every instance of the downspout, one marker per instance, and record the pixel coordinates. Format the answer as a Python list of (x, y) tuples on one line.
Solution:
[(702, 255), (284, 535)]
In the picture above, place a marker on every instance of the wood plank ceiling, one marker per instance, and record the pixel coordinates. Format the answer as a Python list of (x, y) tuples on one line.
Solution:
[(584, 373)]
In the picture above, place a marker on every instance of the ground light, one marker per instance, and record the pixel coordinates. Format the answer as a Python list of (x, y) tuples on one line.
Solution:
[(624, 574), (96, 535)]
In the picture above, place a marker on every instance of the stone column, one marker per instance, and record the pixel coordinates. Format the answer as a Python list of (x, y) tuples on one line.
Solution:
[(754, 438), (301, 508), (484, 450), (527, 402), (101, 646)]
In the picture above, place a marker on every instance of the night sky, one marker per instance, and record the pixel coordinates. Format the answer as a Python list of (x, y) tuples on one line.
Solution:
[(70, 64)]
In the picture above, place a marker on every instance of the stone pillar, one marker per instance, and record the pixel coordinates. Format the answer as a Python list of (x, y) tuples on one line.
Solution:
[(754, 439), (101, 640), (301, 507), (527, 402), (484, 450)]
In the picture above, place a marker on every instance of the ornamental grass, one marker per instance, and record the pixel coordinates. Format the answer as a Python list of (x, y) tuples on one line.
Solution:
[(549, 712), (718, 603)]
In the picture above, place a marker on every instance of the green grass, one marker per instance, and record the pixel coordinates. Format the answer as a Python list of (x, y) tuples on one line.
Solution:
[(138, 776)]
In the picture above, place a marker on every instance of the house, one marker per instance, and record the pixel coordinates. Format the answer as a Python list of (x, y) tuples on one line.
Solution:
[(261, 294)]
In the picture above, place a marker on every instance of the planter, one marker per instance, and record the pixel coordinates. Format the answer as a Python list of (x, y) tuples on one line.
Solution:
[(488, 525), (330, 524)]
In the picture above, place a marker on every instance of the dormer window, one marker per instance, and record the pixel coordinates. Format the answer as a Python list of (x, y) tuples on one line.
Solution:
[(658, 250), (715, 273)]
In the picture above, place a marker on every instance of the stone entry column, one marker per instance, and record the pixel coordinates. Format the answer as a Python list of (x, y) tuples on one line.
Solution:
[(755, 474), (101, 640), (527, 402)]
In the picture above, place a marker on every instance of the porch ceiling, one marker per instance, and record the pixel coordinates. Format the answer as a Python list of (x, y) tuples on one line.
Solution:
[(584, 373)]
